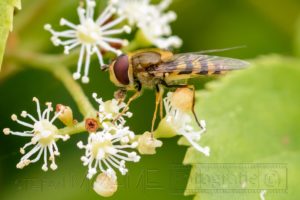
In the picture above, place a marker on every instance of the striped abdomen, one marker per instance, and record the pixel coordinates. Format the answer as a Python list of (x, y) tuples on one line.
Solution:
[(190, 65), (198, 67)]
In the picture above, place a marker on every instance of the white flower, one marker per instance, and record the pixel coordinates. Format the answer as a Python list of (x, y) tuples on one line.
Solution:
[(154, 34), (151, 19), (106, 150), (135, 11), (43, 136), (93, 36), (139, 12), (111, 110), (180, 121)]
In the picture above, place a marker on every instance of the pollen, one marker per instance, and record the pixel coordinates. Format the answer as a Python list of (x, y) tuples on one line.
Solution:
[(14, 117), (6, 131), (24, 114)]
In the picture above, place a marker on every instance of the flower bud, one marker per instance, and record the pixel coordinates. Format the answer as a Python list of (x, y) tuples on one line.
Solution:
[(66, 114), (147, 144), (183, 99), (105, 185)]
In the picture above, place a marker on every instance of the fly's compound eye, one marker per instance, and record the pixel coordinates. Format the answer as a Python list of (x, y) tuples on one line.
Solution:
[(121, 67)]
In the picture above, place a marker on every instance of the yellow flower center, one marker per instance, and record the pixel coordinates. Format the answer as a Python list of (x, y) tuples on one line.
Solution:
[(89, 32), (104, 146), (46, 131), (110, 107)]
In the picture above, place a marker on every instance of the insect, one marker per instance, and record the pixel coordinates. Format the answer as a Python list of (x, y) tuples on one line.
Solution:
[(158, 69)]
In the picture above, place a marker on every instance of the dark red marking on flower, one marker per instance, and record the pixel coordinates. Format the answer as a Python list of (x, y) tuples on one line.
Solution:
[(91, 125)]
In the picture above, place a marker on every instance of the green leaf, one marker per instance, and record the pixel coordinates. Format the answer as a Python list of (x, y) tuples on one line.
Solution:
[(297, 38), (6, 21), (253, 131)]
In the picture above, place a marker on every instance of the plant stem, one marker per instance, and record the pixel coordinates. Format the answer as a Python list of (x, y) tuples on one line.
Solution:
[(42, 61), (78, 128), (75, 90), (59, 70)]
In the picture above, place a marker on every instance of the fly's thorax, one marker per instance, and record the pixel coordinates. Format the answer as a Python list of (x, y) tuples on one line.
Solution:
[(121, 73), (149, 57), (146, 60)]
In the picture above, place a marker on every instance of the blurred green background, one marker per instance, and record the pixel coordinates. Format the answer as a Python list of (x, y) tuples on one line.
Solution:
[(263, 26)]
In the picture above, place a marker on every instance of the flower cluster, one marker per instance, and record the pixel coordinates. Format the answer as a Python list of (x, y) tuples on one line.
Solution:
[(106, 150), (151, 20), (93, 35), (43, 134), (111, 147), (110, 143)]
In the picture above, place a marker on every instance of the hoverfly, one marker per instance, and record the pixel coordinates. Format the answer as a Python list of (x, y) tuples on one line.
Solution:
[(157, 69)]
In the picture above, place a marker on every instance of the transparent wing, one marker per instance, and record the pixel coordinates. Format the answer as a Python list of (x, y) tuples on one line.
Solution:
[(208, 51), (199, 64)]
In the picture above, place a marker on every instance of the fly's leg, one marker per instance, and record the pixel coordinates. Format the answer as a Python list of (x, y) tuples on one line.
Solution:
[(158, 100), (161, 108), (120, 95), (136, 95), (193, 106), (192, 87)]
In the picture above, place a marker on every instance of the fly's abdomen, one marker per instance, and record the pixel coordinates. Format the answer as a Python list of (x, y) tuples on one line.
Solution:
[(184, 66), (199, 68), (207, 67)]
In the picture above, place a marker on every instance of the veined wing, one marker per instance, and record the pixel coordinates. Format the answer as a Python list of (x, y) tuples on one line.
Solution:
[(198, 64)]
